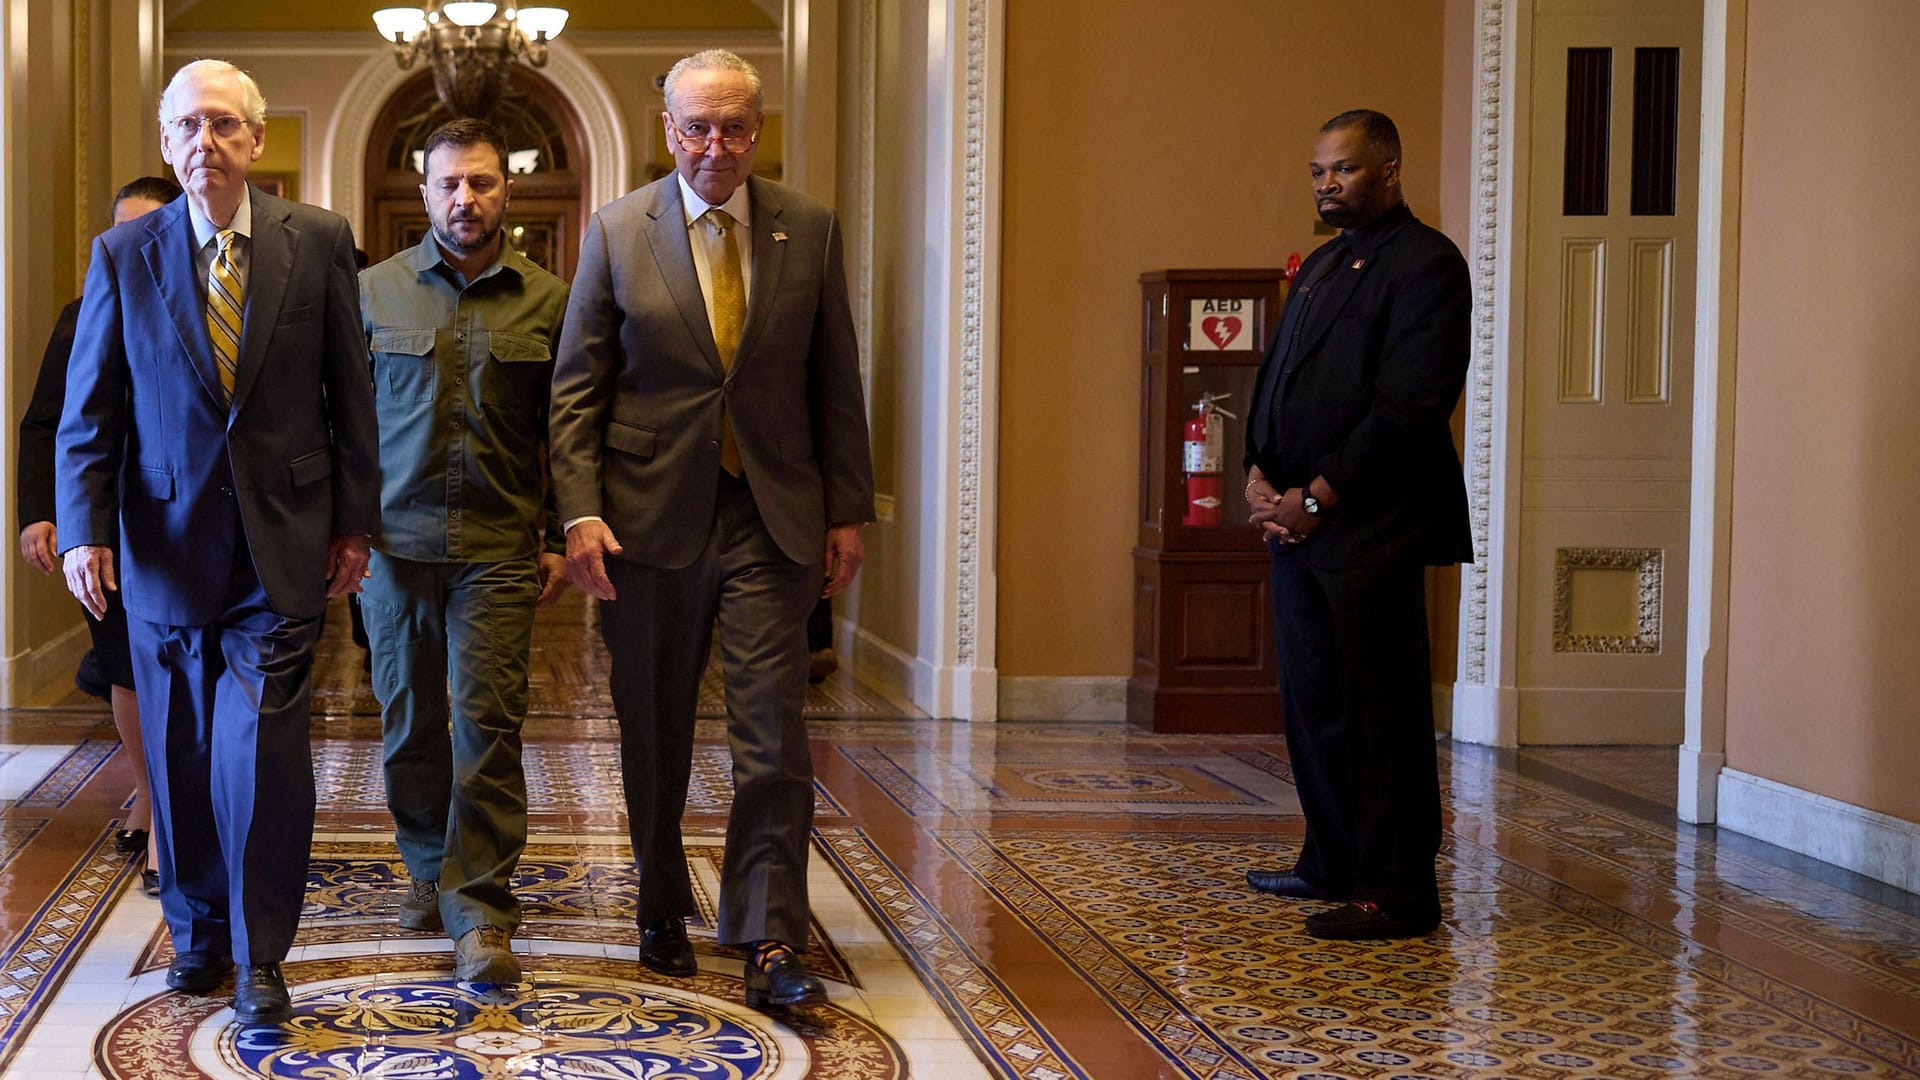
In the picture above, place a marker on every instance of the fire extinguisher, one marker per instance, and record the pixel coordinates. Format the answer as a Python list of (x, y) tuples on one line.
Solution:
[(1205, 435)]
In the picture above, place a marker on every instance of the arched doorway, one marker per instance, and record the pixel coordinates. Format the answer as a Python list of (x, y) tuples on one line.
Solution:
[(547, 158)]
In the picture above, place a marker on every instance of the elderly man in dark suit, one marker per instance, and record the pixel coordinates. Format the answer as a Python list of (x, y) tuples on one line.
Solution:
[(710, 457), (1356, 487), (219, 423)]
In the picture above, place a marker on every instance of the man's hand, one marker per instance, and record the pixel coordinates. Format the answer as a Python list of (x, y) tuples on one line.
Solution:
[(844, 556), (589, 543), (89, 570), (553, 578), (346, 564), (37, 546), (1284, 518)]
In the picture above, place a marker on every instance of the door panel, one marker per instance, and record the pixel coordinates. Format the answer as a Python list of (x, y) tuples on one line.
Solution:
[(1606, 430)]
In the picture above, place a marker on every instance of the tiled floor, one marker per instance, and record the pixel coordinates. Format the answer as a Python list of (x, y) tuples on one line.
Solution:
[(1033, 901)]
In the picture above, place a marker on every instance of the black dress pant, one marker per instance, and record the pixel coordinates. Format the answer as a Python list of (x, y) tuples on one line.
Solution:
[(1356, 686)]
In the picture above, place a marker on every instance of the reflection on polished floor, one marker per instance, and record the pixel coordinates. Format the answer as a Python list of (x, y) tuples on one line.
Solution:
[(1034, 901)]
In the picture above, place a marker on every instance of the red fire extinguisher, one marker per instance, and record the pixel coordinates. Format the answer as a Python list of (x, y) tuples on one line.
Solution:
[(1205, 434)]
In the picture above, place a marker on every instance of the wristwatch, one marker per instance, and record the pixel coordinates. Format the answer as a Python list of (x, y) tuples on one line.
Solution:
[(1308, 503)]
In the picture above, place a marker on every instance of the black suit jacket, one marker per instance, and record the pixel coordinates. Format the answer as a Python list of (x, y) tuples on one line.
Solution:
[(33, 480), (1364, 395)]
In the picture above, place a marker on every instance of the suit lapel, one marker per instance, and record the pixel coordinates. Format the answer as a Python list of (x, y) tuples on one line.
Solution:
[(673, 254), (270, 263), (769, 256), (1338, 288), (171, 260)]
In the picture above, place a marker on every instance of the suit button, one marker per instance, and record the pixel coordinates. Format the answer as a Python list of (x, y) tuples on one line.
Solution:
[(714, 443), (225, 490), (728, 386)]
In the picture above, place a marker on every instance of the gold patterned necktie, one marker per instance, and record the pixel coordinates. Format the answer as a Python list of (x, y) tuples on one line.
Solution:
[(729, 316), (225, 303)]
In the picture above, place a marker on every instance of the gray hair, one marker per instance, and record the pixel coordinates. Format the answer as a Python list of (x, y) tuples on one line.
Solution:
[(713, 60), (255, 104)]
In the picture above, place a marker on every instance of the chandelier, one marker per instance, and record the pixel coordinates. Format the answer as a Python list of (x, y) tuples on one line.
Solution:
[(470, 45)]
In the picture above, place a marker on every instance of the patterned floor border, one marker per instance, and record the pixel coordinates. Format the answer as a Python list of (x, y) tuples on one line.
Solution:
[(65, 779), (15, 834), (905, 790), (1002, 1031), (1190, 1045), (36, 961)]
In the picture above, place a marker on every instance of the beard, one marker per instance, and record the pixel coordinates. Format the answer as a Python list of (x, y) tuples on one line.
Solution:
[(451, 241), (1339, 217)]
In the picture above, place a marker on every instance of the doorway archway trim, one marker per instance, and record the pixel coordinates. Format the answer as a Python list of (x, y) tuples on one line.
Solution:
[(601, 124)]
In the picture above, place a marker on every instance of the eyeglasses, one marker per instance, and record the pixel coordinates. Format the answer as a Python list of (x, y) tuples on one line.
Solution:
[(698, 138), (188, 127)]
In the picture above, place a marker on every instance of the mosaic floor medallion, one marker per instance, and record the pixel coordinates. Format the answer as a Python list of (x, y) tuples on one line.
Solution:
[(404, 1017)]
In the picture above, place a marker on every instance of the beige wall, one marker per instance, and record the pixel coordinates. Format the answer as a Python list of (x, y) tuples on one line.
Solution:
[(1143, 135), (1824, 607), (68, 132)]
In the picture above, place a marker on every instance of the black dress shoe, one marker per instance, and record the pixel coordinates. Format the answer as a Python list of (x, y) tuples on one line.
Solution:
[(129, 841), (1289, 884), (775, 976), (1366, 919), (664, 948), (260, 995), (197, 972), (150, 881)]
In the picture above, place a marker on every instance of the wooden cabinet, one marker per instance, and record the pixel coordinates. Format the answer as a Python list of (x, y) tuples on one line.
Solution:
[(1202, 619)]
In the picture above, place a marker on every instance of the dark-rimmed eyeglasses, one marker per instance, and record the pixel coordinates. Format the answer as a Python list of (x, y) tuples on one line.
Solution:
[(188, 127), (697, 137)]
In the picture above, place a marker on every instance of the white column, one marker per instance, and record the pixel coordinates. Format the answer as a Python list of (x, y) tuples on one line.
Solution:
[(1703, 752), (955, 671), (1485, 701)]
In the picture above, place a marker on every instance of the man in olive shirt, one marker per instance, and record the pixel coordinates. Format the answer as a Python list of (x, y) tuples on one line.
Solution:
[(461, 329)]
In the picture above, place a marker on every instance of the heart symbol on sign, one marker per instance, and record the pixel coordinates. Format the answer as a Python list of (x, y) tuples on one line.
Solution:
[(1221, 329)]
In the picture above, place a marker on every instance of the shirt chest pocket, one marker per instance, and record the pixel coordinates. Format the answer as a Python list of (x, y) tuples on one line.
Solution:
[(517, 371), (403, 363)]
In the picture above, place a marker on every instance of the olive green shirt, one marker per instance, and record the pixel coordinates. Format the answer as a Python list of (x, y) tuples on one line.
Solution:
[(461, 372)]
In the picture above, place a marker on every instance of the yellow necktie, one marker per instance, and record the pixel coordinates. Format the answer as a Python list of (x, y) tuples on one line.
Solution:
[(729, 316), (225, 303)]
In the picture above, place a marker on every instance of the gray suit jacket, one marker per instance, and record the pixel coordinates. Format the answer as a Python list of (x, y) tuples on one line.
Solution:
[(638, 389), (151, 457)]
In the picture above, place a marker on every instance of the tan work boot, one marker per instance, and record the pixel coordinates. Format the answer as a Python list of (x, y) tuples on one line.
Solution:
[(482, 955), (421, 909)]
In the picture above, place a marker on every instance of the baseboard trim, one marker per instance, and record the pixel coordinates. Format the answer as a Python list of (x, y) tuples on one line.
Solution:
[(1076, 698), (1867, 842), (24, 675), (877, 661), (1485, 715)]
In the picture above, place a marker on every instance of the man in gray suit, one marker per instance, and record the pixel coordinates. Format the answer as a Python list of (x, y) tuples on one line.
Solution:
[(710, 458)]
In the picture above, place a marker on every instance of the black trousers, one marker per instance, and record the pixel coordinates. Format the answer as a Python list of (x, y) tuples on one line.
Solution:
[(1356, 685)]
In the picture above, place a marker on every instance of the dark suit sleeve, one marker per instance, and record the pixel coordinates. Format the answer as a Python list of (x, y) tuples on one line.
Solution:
[(556, 537), (1422, 366), (346, 373), (34, 478), (838, 402), (91, 443), (583, 379)]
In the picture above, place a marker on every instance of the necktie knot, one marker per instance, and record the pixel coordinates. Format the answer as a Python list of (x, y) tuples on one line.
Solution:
[(226, 243), (718, 220)]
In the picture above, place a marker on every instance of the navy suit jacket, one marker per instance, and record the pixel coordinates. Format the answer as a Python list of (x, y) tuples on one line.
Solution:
[(149, 451)]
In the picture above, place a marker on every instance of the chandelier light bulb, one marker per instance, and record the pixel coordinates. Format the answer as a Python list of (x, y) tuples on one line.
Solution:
[(542, 22), (399, 24), (468, 12)]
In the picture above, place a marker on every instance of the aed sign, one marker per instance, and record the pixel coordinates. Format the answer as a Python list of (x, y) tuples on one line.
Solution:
[(1220, 325)]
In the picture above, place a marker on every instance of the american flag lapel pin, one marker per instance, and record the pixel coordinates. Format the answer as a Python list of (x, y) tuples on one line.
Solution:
[(780, 236), (1357, 264)]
